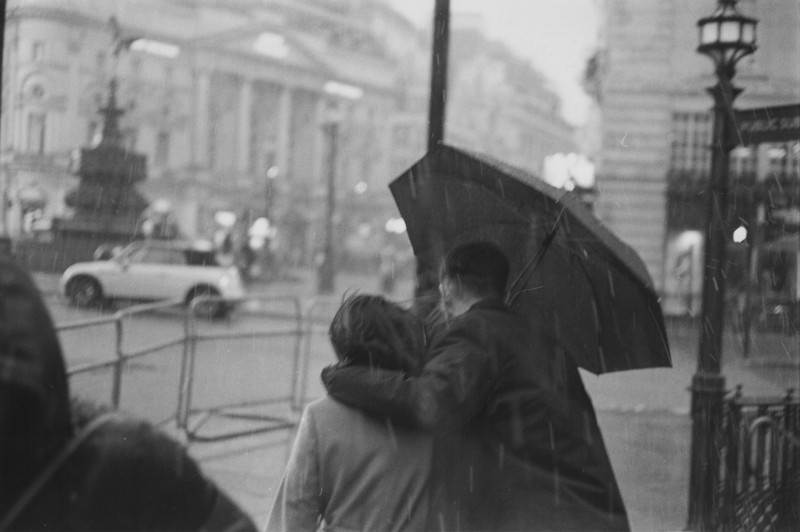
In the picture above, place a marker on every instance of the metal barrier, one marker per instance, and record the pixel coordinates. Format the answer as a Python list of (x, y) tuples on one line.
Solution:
[(190, 419), (760, 484), (121, 357), (285, 321)]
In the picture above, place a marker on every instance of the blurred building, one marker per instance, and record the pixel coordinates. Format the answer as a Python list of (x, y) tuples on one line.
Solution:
[(229, 100), (655, 117)]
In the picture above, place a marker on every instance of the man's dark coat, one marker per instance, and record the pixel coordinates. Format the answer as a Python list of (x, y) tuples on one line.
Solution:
[(518, 443)]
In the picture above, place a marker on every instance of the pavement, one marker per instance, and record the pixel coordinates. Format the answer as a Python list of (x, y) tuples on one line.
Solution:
[(644, 414)]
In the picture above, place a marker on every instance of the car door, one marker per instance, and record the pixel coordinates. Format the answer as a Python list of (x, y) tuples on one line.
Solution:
[(150, 273)]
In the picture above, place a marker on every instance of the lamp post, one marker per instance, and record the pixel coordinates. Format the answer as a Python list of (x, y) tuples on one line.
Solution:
[(269, 192), (340, 96), (725, 36), (326, 273)]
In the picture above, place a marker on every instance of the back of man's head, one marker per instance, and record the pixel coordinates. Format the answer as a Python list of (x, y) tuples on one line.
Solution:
[(480, 268)]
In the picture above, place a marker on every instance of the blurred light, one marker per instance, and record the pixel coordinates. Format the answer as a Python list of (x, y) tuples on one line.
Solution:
[(360, 187), (569, 185), (256, 242), (273, 171), (161, 205), (337, 88), (776, 153), (396, 226), (203, 245), (740, 234), (741, 152), (561, 169), (225, 218), (261, 228), (271, 44), (689, 238), (159, 48), (364, 230)]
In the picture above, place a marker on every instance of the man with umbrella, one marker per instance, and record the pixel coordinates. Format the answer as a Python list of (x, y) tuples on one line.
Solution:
[(516, 448)]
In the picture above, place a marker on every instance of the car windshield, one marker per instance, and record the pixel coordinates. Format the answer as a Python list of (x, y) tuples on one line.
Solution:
[(193, 255)]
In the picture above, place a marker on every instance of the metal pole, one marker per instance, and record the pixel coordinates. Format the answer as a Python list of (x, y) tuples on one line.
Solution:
[(4, 242), (441, 39), (326, 267), (708, 385), (426, 289)]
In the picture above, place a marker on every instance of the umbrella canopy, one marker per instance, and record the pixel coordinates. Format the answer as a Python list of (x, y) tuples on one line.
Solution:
[(592, 290)]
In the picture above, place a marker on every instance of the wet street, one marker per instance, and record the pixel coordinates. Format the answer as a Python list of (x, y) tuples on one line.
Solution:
[(643, 414)]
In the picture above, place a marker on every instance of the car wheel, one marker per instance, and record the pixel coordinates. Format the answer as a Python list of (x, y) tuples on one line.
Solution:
[(84, 292), (207, 309)]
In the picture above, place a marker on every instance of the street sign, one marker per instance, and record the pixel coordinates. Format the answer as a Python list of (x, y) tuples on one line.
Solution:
[(767, 124)]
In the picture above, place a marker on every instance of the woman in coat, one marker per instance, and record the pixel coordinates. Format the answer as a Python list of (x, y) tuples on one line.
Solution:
[(349, 470)]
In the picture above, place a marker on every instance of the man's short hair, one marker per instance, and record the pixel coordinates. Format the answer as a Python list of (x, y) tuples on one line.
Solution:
[(368, 330), (480, 267)]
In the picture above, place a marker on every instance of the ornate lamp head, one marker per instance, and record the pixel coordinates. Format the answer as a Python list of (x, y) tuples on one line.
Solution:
[(726, 36)]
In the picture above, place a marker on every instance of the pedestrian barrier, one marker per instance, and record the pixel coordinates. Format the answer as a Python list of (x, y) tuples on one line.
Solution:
[(245, 412), (760, 484), (227, 359), (122, 357)]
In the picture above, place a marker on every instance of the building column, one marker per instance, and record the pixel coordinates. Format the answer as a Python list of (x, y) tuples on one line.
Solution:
[(284, 132), (201, 130), (243, 134), (319, 142)]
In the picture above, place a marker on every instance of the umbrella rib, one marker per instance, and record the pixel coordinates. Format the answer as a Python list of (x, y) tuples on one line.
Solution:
[(536, 259)]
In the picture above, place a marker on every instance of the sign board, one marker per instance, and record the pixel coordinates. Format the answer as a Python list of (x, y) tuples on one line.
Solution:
[(767, 124)]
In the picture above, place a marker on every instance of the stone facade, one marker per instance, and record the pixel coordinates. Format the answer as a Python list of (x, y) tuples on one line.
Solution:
[(650, 83), (220, 94)]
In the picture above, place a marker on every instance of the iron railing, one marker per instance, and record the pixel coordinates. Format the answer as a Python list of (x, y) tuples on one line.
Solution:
[(759, 487)]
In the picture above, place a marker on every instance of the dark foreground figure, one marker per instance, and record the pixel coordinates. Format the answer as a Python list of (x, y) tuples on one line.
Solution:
[(517, 442), (72, 467)]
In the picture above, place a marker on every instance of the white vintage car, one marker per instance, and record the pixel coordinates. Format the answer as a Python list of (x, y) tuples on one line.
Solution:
[(153, 270)]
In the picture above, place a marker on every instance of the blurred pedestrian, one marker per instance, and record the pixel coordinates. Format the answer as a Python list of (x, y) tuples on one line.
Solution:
[(512, 451), (350, 470), (79, 468), (387, 268)]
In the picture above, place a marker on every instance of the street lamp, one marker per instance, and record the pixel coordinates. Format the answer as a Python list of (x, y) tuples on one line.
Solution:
[(340, 95), (269, 192), (327, 272), (725, 36)]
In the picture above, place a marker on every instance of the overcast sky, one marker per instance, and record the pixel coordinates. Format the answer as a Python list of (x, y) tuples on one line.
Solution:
[(556, 35)]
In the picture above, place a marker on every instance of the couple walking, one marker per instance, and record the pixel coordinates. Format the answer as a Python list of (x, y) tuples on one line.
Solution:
[(474, 424)]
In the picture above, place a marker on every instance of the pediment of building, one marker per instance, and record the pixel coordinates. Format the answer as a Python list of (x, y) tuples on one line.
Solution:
[(267, 44)]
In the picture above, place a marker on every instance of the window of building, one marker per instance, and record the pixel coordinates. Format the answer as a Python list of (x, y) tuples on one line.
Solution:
[(743, 161), (161, 156), (37, 50), (130, 136), (94, 132), (37, 128), (691, 139), (37, 93)]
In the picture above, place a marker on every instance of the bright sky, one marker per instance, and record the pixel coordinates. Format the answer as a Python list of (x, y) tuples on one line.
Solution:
[(556, 35)]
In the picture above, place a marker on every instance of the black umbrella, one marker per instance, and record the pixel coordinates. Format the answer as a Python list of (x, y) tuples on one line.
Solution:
[(592, 290)]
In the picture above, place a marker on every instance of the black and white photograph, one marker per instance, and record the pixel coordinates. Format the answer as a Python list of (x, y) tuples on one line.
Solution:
[(400, 265)]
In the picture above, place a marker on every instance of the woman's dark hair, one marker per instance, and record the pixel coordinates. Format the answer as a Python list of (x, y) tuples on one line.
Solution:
[(480, 267), (368, 330)]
